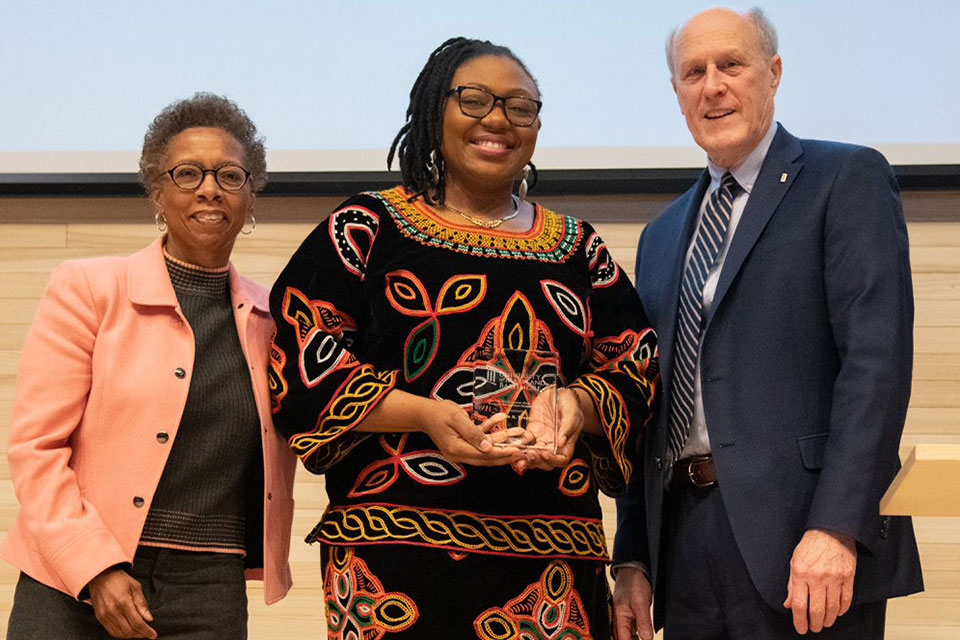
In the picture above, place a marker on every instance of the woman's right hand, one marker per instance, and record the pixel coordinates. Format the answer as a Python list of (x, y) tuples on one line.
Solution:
[(120, 606), (459, 439)]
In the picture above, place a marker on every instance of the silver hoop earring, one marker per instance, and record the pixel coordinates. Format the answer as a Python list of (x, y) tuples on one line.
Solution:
[(161, 221), (522, 191), (434, 167), (253, 225)]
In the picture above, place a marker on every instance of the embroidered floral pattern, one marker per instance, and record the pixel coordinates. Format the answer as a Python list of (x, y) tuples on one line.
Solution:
[(407, 294), (550, 609), (425, 467), (358, 607)]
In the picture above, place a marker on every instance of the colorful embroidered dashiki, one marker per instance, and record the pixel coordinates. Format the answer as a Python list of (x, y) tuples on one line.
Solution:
[(384, 294)]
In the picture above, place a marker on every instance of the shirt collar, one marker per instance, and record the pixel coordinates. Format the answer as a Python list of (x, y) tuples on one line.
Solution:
[(746, 174)]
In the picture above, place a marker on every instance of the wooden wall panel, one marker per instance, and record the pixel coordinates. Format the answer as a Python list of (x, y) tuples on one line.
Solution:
[(28, 252)]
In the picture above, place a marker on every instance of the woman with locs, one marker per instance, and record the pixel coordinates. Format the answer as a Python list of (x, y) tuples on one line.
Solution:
[(438, 527)]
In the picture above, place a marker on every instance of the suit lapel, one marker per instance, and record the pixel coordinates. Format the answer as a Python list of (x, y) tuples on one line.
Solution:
[(782, 160)]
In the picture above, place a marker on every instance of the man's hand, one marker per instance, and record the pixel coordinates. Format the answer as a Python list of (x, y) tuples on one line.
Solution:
[(631, 605), (821, 579), (120, 606)]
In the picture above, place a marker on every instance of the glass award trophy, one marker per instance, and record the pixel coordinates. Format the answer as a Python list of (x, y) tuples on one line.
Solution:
[(523, 385)]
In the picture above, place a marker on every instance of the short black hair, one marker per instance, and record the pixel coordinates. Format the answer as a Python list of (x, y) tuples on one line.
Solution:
[(422, 134), (202, 110)]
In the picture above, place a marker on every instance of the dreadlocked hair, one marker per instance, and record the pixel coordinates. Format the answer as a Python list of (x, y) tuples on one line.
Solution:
[(417, 145)]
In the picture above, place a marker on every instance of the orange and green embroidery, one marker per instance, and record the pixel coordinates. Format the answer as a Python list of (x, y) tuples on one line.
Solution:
[(358, 607), (553, 238), (407, 294), (546, 610)]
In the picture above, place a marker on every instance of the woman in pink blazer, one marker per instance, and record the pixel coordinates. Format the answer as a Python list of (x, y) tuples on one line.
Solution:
[(150, 478)]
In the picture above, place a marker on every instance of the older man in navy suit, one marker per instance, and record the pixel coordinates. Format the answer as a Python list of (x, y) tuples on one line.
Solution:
[(780, 288)]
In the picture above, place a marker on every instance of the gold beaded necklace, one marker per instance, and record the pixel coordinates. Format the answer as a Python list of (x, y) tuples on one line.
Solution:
[(487, 224)]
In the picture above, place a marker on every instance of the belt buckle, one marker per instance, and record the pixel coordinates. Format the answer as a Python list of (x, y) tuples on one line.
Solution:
[(695, 462)]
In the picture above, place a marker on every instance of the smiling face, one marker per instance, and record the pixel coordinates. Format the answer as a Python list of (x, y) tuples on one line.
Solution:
[(202, 223), (487, 153), (725, 84)]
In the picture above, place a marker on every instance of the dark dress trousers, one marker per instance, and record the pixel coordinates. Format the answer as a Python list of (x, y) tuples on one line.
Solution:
[(805, 367)]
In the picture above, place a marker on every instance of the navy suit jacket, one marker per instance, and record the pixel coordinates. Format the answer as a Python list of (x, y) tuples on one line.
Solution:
[(806, 366)]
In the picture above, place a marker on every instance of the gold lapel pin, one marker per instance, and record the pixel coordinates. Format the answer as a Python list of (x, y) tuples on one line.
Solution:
[(783, 177)]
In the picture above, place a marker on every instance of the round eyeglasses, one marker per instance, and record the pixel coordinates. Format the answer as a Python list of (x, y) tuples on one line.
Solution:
[(190, 176), (476, 102)]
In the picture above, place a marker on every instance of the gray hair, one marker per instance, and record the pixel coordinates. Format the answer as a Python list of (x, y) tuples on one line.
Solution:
[(202, 110), (766, 34)]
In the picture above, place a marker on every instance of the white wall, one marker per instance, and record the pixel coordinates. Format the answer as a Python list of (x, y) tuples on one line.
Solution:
[(323, 77)]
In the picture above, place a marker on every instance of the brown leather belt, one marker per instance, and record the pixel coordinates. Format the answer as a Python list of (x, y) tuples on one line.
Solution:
[(697, 472)]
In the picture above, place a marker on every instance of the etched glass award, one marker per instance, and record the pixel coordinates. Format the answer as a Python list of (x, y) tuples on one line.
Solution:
[(523, 385)]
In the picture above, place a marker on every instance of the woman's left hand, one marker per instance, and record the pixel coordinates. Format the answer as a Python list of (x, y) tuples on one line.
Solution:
[(564, 419)]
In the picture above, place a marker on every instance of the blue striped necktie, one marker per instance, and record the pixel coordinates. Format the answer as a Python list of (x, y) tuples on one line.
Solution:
[(711, 233)]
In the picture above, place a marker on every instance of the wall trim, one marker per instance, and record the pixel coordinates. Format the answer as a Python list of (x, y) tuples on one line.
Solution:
[(593, 182)]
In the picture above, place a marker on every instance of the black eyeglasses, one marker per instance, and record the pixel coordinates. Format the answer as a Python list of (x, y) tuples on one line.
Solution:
[(478, 103), (189, 176)]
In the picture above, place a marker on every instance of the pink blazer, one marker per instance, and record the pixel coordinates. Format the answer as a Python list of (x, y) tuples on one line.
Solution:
[(100, 378)]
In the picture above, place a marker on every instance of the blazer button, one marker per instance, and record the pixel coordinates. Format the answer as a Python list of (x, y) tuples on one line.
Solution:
[(659, 463), (137, 502), (180, 373), (269, 496), (162, 437)]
